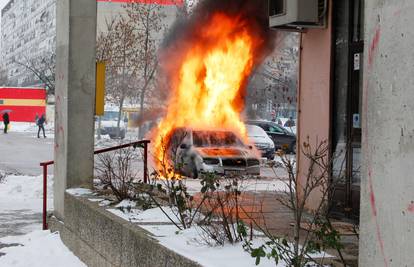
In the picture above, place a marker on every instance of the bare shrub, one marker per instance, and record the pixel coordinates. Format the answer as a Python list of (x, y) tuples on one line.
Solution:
[(2, 176), (222, 221), (312, 230), (115, 172)]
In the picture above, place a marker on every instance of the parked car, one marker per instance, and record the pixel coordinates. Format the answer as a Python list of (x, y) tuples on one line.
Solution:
[(195, 151), (287, 123), (109, 124), (261, 141), (282, 138)]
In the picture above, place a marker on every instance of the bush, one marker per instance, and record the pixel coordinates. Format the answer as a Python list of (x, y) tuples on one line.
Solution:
[(114, 170)]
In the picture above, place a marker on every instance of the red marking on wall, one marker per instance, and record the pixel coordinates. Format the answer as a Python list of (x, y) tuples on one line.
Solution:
[(371, 56), (372, 195), (61, 132), (374, 215), (373, 46), (397, 13), (411, 208)]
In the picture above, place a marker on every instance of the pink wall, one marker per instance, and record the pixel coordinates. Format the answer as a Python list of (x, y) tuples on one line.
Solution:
[(314, 114)]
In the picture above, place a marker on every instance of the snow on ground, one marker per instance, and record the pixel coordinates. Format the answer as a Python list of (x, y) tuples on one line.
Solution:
[(21, 204), (154, 215), (79, 191), (248, 184), (21, 127), (191, 244), (19, 192), (21, 241), (37, 249)]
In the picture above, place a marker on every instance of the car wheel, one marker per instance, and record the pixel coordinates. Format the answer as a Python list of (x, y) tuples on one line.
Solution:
[(293, 146), (112, 136), (271, 157)]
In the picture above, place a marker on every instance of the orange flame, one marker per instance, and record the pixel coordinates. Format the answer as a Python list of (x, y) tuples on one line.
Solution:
[(209, 83)]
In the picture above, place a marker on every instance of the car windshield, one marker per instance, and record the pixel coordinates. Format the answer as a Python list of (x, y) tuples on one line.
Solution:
[(253, 130), (215, 139), (110, 116)]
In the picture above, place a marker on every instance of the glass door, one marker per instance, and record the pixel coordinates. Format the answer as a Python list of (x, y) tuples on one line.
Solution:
[(346, 106)]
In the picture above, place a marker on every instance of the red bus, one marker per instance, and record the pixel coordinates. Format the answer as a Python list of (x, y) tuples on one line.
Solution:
[(22, 103)]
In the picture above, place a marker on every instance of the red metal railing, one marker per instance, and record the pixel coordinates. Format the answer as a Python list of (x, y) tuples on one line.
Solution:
[(44, 165)]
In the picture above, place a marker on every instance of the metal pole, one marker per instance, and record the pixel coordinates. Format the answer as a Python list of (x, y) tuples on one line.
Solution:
[(145, 162), (44, 196)]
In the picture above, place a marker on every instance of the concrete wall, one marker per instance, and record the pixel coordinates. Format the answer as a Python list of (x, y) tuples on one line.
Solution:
[(101, 239), (387, 189), (314, 118)]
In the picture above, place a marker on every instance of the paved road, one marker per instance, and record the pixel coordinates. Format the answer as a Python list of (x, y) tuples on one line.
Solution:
[(18, 222), (22, 152)]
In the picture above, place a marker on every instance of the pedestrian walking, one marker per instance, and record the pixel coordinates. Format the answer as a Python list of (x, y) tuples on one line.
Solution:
[(40, 123), (6, 121)]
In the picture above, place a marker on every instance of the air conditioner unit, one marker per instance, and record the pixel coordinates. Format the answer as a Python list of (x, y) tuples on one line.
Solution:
[(297, 14)]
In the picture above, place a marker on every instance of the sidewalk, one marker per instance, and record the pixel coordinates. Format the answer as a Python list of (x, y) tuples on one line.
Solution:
[(265, 209)]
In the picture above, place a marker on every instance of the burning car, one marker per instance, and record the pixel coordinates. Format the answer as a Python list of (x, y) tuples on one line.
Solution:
[(218, 151)]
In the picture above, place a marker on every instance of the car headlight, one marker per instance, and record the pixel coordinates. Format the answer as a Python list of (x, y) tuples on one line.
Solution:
[(211, 161)]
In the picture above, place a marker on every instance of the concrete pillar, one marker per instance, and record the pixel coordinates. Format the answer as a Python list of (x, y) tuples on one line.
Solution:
[(314, 96), (75, 97), (387, 189)]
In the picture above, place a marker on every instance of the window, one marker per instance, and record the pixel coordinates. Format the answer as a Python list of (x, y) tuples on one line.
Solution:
[(264, 127), (274, 129), (276, 7)]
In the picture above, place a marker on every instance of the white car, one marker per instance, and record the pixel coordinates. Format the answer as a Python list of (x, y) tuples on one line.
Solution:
[(109, 124), (261, 141)]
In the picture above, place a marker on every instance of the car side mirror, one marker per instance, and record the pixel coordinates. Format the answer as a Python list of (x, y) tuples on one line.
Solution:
[(184, 146)]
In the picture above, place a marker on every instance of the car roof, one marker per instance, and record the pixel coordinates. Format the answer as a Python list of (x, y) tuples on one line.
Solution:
[(262, 121), (256, 129)]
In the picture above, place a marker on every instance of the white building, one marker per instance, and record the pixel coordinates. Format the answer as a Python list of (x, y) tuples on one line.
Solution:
[(28, 32)]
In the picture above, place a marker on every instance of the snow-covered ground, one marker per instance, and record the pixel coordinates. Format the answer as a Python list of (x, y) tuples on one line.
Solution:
[(191, 242), (31, 127), (37, 249), (250, 184), (22, 243), (21, 203)]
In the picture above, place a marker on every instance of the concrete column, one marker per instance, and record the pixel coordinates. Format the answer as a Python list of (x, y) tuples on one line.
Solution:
[(387, 189), (314, 96), (75, 97)]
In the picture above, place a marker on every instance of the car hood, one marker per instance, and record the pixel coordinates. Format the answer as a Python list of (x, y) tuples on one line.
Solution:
[(260, 140), (224, 152)]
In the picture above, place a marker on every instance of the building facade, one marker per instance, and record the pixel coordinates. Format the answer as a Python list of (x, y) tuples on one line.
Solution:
[(28, 34), (356, 92)]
